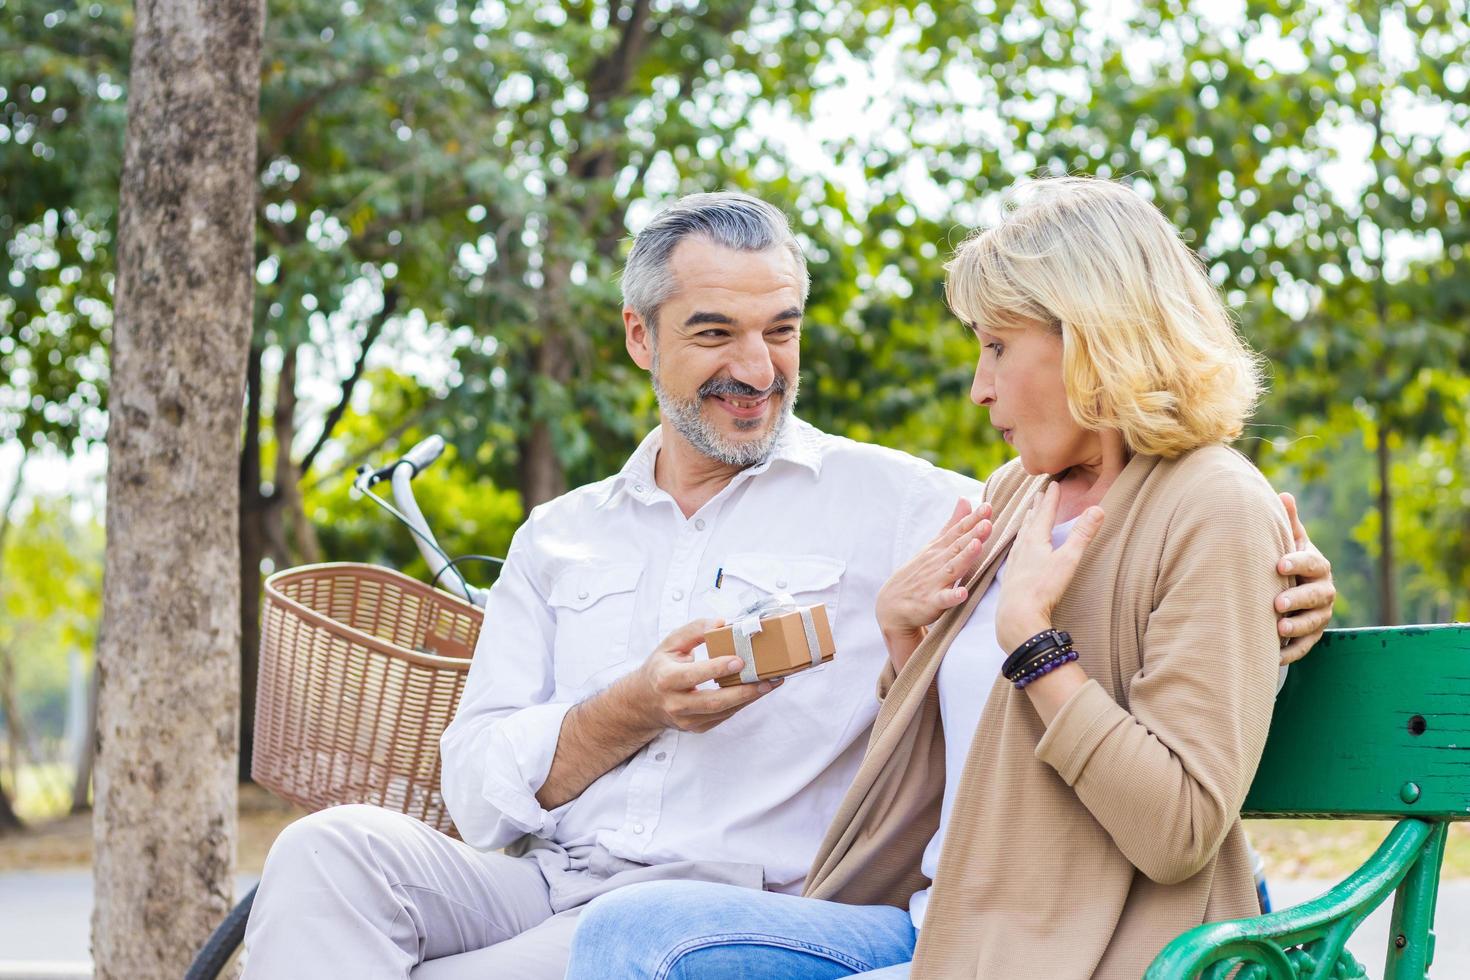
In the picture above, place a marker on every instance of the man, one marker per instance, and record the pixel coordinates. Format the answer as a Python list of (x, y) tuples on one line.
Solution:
[(596, 763)]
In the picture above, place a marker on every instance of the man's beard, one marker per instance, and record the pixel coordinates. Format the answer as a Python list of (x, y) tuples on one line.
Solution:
[(686, 415)]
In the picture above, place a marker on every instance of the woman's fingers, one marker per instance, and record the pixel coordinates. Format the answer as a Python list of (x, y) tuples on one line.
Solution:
[(1069, 555), (961, 511), (1043, 517), (969, 559)]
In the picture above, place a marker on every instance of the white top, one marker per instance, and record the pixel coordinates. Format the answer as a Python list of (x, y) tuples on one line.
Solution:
[(966, 676), (596, 578)]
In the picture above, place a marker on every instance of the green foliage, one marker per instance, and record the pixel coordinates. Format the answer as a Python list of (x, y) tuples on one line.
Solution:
[(468, 513), (470, 171), (50, 603), (62, 113)]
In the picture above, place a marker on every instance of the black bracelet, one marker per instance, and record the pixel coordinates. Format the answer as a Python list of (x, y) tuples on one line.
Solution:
[(1036, 663), (1019, 662)]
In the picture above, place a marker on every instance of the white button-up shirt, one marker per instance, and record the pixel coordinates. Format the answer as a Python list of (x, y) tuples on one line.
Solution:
[(596, 578)]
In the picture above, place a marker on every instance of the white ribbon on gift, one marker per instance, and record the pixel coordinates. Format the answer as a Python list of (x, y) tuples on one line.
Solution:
[(747, 623)]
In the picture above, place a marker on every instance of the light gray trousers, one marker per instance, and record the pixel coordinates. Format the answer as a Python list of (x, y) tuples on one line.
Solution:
[(364, 893)]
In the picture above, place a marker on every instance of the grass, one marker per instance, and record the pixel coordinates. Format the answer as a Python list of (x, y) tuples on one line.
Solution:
[(1322, 849), (67, 842), (1334, 848)]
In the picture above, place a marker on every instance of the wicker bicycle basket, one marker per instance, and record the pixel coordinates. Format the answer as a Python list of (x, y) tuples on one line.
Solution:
[(360, 672)]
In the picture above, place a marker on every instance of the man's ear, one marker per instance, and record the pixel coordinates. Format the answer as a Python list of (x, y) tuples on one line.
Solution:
[(638, 338)]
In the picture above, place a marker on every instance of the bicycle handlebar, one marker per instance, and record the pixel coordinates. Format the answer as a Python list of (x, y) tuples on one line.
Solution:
[(424, 453), (419, 457)]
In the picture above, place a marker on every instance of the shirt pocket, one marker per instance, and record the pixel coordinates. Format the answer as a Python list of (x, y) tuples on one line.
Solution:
[(809, 579), (593, 606)]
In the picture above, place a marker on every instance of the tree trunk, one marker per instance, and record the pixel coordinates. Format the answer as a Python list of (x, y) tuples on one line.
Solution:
[(542, 477), (14, 733), (1388, 605), (81, 798), (168, 662), (13, 736), (252, 551), (293, 538), (10, 822)]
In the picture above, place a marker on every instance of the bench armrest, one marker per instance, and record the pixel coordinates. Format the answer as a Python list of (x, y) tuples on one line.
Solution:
[(1293, 943)]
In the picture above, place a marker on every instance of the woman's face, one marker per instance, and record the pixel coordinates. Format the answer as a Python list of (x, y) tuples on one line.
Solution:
[(1019, 379)]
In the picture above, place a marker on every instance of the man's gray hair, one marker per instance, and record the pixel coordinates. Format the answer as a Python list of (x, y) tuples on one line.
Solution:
[(736, 221)]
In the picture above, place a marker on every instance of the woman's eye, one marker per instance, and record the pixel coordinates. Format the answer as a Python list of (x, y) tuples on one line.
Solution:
[(996, 347)]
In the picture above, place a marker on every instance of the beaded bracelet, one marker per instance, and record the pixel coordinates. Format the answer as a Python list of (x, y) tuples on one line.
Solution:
[(1066, 658)]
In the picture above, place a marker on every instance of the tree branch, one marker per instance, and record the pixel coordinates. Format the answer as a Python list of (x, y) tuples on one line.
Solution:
[(350, 464), (609, 77), (375, 327), (292, 118)]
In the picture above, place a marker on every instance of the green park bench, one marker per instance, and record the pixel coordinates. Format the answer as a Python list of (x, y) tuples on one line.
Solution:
[(1375, 724)]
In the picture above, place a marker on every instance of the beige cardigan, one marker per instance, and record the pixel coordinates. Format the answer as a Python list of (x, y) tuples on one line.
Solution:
[(1080, 850)]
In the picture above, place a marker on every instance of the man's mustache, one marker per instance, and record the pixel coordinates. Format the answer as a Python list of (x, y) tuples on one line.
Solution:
[(730, 388)]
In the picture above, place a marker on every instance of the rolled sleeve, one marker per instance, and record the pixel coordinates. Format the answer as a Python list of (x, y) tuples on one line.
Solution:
[(498, 750), (517, 757)]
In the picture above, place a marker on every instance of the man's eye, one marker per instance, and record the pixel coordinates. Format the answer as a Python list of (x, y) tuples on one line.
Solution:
[(712, 334), (785, 331)]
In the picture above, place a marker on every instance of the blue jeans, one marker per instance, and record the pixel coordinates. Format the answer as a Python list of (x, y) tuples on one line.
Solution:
[(681, 930)]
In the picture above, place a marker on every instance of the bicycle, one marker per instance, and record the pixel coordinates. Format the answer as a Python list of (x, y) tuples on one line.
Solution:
[(340, 644)]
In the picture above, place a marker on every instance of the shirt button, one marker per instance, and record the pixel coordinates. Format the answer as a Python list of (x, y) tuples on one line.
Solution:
[(699, 524), (637, 828), (582, 594), (660, 757), (638, 487), (678, 594), (780, 583)]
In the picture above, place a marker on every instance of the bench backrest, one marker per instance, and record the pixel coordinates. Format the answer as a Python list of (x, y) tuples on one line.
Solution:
[(1374, 722)]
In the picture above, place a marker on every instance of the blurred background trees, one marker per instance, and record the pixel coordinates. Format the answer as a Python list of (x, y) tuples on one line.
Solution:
[(445, 189)]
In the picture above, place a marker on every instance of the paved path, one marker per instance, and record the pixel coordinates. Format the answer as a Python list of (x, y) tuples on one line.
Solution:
[(45, 920)]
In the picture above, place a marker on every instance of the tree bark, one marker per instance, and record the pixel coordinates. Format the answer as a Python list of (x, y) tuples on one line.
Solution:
[(252, 551), (10, 822), (542, 476), (292, 538), (81, 785), (1388, 603), (168, 663), (15, 736)]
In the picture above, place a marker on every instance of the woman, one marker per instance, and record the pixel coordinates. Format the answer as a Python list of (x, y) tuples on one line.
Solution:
[(1064, 752)]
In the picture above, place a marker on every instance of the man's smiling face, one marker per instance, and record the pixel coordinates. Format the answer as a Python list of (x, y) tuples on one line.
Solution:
[(726, 355)]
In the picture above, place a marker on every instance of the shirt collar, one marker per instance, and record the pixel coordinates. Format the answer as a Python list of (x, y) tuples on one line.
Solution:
[(799, 443)]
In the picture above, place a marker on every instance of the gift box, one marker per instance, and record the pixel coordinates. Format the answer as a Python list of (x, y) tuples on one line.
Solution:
[(774, 638)]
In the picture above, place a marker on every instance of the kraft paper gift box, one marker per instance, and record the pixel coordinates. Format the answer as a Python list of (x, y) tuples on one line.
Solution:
[(781, 642)]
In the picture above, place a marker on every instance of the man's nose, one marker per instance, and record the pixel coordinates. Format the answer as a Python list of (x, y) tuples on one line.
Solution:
[(752, 364)]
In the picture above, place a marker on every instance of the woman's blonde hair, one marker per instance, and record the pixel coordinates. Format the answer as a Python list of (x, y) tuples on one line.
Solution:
[(1148, 348)]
